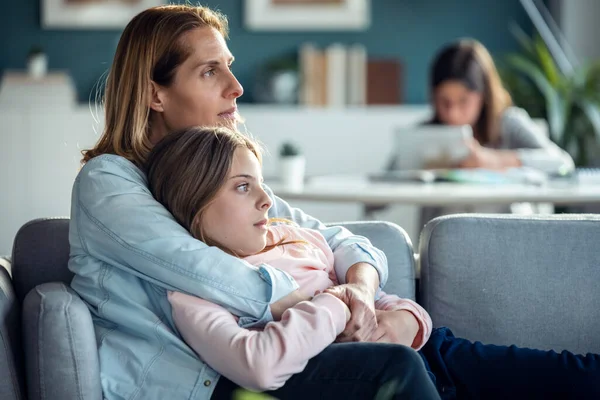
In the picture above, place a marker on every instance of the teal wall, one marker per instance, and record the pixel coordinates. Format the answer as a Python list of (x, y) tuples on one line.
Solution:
[(410, 30)]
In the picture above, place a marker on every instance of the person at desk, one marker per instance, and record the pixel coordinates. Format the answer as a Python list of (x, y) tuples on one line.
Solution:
[(466, 89)]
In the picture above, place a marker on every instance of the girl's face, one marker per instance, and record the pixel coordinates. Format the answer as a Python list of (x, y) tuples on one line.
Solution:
[(204, 90), (237, 218), (456, 104)]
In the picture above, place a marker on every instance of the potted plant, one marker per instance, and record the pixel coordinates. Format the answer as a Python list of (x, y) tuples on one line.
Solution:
[(292, 166), (570, 103), (37, 62)]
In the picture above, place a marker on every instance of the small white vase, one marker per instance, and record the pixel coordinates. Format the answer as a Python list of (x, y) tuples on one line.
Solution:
[(37, 66), (291, 170)]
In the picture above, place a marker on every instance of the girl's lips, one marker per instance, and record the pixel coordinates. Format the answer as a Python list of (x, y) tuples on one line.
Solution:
[(261, 224)]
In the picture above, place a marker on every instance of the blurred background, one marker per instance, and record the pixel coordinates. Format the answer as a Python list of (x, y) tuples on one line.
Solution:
[(335, 85)]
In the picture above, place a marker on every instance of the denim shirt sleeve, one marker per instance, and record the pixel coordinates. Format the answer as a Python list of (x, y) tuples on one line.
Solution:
[(348, 249), (119, 222)]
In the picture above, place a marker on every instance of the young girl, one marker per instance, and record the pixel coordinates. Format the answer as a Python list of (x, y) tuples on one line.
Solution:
[(465, 89), (211, 181)]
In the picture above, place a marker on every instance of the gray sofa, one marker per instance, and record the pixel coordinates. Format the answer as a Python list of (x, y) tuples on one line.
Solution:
[(497, 279)]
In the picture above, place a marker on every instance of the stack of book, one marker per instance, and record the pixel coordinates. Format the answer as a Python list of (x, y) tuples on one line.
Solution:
[(340, 76)]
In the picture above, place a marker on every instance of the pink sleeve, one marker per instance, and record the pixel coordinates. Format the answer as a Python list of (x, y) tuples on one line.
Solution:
[(258, 360), (390, 302)]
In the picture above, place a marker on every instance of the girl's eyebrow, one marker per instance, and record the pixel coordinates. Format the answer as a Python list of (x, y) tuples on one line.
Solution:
[(246, 176), (242, 176)]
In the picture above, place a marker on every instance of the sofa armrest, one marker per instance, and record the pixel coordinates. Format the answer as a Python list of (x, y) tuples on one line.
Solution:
[(395, 243), (506, 279), (61, 357), (11, 372)]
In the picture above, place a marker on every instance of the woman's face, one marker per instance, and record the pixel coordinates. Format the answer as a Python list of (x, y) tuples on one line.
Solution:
[(204, 90), (237, 217), (456, 104)]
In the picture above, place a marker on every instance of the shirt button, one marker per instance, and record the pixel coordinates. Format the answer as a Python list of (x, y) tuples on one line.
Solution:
[(207, 383)]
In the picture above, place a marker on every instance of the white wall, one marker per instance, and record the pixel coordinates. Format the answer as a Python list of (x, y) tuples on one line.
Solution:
[(579, 23), (40, 152)]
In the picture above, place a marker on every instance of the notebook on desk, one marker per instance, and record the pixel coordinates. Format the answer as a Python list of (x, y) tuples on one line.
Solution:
[(477, 176)]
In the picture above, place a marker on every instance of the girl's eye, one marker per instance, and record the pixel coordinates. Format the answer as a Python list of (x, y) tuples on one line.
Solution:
[(244, 187), (210, 72)]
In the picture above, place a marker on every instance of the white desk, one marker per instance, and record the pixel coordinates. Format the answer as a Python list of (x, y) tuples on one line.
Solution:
[(355, 189)]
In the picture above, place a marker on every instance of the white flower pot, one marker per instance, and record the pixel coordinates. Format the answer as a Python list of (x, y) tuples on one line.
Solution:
[(37, 66), (291, 170)]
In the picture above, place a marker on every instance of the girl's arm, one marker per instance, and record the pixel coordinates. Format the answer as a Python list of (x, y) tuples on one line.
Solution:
[(254, 359), (532, 147), (348, 249)]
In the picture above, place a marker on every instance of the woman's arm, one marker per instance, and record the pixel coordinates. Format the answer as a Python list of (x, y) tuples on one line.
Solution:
[(532, 147), (115, 219), (389, 302), (258, 360), (348, 249)]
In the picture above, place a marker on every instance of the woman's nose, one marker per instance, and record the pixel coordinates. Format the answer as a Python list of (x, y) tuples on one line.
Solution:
[(235, 89)]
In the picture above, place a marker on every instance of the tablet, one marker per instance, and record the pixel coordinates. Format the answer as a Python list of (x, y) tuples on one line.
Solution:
[(430, 146)]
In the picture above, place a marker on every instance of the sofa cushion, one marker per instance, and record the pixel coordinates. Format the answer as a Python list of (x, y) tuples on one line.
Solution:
[(525, 280)]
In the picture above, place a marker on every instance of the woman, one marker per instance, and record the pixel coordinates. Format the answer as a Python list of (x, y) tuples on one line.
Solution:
[(172, 70)]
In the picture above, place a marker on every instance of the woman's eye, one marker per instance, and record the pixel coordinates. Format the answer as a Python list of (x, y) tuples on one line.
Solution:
[(243, 187), (210, 72)]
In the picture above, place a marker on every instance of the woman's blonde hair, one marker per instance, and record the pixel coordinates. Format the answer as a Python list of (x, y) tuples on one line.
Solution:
[(469, 62), (187, 168), (150, 49)]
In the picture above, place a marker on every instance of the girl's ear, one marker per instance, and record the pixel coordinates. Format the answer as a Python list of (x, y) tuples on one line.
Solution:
[(156, 97)]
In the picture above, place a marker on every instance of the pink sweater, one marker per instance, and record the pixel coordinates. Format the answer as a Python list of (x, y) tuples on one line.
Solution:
[(266, 359)]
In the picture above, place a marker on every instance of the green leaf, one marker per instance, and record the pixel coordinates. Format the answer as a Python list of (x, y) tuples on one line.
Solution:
[(546, 61), (555, 107), (242, 394), (592, 112), (387, 391), (523, 39)]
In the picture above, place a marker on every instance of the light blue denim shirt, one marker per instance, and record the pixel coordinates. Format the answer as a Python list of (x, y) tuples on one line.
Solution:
[(127, 251)]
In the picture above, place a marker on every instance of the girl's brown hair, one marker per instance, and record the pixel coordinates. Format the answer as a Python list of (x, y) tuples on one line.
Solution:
[(151, 48), (469, 62), (187, 168)]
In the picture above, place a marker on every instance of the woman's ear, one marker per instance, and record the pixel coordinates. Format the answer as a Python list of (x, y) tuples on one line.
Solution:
[(156, 97)]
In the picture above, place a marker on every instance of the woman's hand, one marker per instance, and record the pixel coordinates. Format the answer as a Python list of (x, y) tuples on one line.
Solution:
[(481, 157), (360, 299), (399, 327)]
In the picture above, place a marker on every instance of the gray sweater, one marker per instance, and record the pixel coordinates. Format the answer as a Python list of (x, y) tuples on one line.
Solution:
[(519, 132)]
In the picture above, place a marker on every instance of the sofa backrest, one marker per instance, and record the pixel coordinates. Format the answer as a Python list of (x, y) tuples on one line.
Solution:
[(40, 255), (506, 279)]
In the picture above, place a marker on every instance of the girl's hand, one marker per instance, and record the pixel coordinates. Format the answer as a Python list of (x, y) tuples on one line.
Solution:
[(482, 157)]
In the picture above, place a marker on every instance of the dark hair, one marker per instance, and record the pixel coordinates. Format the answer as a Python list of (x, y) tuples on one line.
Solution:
[(469, 62), (187, 168)]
